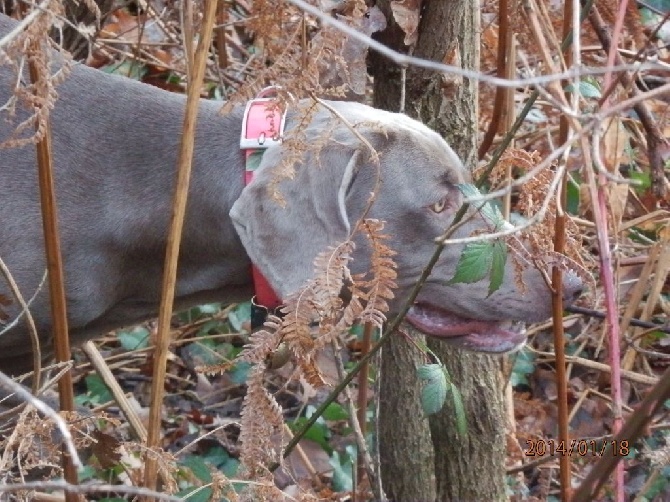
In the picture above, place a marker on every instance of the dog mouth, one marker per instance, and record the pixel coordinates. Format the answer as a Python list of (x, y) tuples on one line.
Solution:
[(478, 336)]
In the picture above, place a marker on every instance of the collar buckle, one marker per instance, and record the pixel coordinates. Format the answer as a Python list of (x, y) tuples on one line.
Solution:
[(263, 122)]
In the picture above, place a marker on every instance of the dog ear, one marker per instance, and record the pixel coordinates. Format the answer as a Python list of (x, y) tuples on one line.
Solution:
[(290, 213)]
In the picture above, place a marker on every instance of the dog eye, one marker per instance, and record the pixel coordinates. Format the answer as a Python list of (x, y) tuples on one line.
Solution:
[(440, 206)]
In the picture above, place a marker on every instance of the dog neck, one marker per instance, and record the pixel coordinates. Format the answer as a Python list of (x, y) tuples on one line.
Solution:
[(135, 165)]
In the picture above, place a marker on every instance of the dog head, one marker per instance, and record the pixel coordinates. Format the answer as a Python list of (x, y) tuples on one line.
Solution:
[(301, 203)]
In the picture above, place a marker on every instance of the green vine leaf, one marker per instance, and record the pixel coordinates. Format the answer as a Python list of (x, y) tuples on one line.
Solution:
[(488, 210), (459, 411), (587, 88), (498, 260), (482, 259), (475, 263), (434, 392)]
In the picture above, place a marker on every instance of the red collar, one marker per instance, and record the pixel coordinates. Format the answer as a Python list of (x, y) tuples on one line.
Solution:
[(262, 127)]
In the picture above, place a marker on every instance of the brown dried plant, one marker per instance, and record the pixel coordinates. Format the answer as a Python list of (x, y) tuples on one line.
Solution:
[(537, 247), (34, 445), (300, 56), (32, 450), (31, 103), (319, 300)]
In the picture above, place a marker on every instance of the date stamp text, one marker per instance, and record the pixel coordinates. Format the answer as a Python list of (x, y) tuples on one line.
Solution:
[(576, 447)]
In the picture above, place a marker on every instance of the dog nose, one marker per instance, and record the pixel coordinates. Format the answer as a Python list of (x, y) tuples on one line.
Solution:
[(573, 287)]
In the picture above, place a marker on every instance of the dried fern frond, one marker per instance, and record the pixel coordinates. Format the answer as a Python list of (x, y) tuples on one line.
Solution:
[(261, 422), (261, 345), (300, 310), (32, 103), (531, 196), (379, 289), (331, 268), (567, 264), (311, 373), (535, 245), (319, 300)]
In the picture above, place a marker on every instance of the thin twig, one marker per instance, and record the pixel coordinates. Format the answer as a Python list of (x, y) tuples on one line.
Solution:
[(174, 238), (23, 24), (54, 259), (362, 398), (30, 321), (635, 425), (98, 363), (557, 274), (404, 59), (365, 460), (663, 328), (655, 137), (47, 411), (87, 489)]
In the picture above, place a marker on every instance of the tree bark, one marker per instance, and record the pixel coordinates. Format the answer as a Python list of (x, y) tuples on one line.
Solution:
[(405, 447), (469, 468)]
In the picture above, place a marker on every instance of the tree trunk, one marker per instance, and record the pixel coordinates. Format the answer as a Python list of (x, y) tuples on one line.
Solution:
[(405, 448), (470, 468)]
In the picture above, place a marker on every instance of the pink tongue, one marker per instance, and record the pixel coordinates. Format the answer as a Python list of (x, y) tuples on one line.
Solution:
[(478, 336)]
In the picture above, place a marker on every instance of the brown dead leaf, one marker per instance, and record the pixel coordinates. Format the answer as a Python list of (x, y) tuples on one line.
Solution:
[(613, 146), (406, 14), (664, 232), (106, 449), (315, 454), (133, 29), (617, 198)]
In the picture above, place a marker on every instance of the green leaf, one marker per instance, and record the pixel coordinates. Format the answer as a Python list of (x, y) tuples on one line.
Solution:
[(459, 411), (134, 339), (216, 456), (209, 308), (643, 181), (498, 260), (199, 494), (86, 472), (475, 262), (239, 316), (573, 197), (342, 473), (468, 190), (434, 392), (97, 390), (130, 69), (240, 372), (335, 411), (254, 160), (524, 365), (319, 432), (220, 459), (489, 211), (589, 90), (213, 327), (198, 467), (429, 371), (230, 468), (586, 88)]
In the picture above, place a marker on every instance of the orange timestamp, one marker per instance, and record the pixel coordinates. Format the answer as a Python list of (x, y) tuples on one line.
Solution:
[(580, 447)]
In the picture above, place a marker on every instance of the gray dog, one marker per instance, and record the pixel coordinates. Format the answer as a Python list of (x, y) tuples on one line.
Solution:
[(115, 144)]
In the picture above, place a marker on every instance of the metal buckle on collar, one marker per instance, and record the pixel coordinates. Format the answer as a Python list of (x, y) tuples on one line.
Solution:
[(267, 96), (260, 313)]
